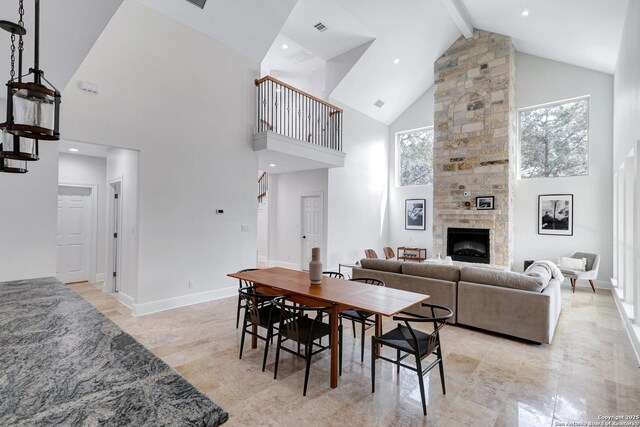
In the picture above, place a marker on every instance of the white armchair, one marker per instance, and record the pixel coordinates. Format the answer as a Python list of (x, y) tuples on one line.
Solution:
[(591, 273)]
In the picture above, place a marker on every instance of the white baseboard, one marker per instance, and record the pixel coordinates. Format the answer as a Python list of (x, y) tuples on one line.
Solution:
[(633, 332), (262, 261), (126, 300), (599, 284), (283, 264), (100, 277), (183, 300)]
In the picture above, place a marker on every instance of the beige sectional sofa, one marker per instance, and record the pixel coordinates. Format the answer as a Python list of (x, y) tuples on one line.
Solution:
[(510, 303)]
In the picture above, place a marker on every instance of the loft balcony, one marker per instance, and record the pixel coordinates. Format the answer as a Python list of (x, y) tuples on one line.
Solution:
[(295, 130)]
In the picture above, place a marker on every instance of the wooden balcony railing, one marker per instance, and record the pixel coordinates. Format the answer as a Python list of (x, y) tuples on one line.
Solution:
[(291, 112), (263, 186)]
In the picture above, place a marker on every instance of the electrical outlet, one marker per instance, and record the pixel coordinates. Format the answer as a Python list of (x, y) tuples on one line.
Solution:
[(192, 284), (467, 193), (244, 228)]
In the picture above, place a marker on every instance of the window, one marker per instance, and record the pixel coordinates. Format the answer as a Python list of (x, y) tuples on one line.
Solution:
[(414, 154), (554, 140)]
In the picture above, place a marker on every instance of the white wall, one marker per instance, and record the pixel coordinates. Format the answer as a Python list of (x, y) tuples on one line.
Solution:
[(122, 165), (28, 215), (418, 115), (540, 81), (86, 170), (358, 192), (285, 212), (186, 102), (627, 88)]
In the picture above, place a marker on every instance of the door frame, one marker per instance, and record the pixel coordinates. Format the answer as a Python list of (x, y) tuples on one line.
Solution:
[(93, 226), (323, 233), (108, 283)]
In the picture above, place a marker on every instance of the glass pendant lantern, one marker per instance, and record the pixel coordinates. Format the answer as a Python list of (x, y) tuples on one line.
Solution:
[(14, 147), (12, 166), (33, 109)]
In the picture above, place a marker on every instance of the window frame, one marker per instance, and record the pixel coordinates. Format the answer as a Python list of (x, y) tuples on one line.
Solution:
[(549, 104), (397, 156)]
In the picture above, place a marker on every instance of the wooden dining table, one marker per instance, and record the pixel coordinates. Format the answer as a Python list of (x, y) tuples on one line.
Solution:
[(338, 294)]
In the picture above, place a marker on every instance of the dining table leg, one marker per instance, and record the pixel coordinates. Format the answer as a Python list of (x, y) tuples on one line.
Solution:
[(378, 332), (334, 345)]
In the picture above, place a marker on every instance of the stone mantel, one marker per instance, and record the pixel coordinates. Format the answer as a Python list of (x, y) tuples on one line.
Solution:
[(467, 212)]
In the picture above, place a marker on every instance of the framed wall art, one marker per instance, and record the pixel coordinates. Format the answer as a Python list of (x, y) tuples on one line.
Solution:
[(485, 203), (414, 214), (555, 214)]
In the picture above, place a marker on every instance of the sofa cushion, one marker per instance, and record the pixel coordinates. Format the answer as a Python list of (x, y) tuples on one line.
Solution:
[(449, 273), (382, 265), (505, 279)]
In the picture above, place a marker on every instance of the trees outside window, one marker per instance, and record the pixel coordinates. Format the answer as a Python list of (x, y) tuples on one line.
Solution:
[(554, 140), (414, 150)]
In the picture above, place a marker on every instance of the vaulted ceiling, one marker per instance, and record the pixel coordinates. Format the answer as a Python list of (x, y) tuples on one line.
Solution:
[(357, 51)]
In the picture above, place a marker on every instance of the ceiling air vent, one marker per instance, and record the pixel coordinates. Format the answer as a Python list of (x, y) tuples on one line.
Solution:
[(199, 3), (379, 103), (320, 27)]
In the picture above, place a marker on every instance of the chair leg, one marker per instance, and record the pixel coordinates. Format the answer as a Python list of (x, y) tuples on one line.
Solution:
[(275, 369), (244, 330), (266, 346), (307, 352), (398, 361), (373, 364), (238, 312), (592, 285), (362, 342), (573, 285), (421, 383), (353, 326), (441, 366)]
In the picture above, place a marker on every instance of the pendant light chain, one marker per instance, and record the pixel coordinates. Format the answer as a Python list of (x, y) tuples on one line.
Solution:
[(20, 41), (13, 56)]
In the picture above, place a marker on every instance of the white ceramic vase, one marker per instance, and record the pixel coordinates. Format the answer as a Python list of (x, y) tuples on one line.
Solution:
[(315, 267)]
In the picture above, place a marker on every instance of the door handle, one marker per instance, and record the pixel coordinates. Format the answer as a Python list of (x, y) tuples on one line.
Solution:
[(304, 237)]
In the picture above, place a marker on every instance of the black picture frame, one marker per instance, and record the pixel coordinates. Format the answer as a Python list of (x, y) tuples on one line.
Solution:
[(485, 203), (555, 214), (414, 214)]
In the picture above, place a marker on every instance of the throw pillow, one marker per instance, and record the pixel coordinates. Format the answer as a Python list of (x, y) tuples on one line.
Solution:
[(578, 264)]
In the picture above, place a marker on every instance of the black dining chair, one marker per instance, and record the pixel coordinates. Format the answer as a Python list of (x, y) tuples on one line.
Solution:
[(304, 326), (242, 284), (364, 318), (258, 311), (333, 274), (412, 342)]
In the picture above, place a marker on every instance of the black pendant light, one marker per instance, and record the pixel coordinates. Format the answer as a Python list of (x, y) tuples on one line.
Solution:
[(33, 109)]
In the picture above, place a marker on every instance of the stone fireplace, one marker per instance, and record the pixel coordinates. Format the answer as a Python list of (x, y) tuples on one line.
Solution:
[(474, 151)]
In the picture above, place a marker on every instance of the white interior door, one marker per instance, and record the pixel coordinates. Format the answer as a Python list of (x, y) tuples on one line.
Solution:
[(73, 234), (312, 220)]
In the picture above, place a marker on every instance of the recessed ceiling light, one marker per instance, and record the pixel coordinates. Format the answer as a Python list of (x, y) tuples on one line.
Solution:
[(73, 150), (395, 61), (525, 13), (285, 46), (273, 165)]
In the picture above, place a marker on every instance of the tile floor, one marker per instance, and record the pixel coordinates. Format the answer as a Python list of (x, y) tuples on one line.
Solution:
[(588, 371)]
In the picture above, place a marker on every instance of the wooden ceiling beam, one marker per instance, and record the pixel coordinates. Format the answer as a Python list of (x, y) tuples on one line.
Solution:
[(460, 16)]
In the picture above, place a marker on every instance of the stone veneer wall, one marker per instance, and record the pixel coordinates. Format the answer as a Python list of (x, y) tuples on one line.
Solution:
[(474, 152)]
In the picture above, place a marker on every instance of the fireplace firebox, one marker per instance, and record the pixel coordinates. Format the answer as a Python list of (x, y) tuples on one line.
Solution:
[(468, 244)]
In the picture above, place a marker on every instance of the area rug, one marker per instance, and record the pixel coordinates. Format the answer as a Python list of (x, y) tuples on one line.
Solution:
[(64, 363)]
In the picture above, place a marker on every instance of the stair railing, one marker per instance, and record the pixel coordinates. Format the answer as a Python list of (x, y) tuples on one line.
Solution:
[(288, 111), (263, 186)]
